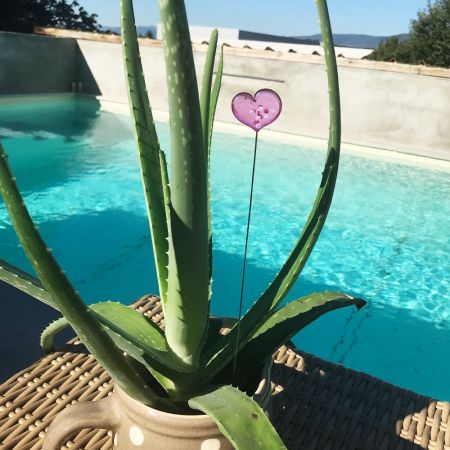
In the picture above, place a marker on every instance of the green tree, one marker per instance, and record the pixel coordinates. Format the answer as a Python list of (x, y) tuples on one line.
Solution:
[(23, 15), (396, 48), (430, 35), (148, 35), (428, 41)]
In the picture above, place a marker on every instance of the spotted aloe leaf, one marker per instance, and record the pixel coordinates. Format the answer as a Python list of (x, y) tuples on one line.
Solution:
[(239, 418), (152, 161), (187, 307), (223, 351)]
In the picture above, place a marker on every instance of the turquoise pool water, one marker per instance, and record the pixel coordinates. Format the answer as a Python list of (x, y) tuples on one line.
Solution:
[(387, 237)]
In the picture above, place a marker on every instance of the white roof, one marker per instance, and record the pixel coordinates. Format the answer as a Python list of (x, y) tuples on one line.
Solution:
[(230, 36)]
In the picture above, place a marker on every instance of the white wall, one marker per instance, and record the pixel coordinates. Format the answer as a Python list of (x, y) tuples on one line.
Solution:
[(395, 110)]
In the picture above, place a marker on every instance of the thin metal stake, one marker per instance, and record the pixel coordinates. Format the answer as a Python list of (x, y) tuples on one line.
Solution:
[(244, 266)]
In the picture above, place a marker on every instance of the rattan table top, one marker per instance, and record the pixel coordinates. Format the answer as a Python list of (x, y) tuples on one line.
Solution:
[(316, 405)]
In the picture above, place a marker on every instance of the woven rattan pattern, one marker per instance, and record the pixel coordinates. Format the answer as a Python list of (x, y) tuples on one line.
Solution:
[(317, 405)]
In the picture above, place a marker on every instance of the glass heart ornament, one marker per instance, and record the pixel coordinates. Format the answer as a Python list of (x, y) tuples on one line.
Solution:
[(257, 111)]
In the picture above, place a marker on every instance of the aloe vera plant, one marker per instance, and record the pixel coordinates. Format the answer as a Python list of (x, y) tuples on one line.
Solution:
[(190, 360)]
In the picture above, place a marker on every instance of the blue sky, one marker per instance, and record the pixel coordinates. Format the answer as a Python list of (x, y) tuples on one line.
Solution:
[(284, 17)]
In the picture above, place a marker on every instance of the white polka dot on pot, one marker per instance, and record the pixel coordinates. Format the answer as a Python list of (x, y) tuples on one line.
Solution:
[(210, 444), (136, 436)]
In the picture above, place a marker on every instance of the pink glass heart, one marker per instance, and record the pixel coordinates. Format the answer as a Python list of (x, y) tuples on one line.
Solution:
[(259, 111)]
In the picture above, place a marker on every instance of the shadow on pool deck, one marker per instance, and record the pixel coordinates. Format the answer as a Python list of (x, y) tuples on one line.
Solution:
[(322, 405), (21, 323)]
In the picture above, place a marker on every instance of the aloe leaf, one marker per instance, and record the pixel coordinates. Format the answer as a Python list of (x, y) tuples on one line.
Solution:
[(166, 191), (48, 335), (205, 96), (214, 99), (297, 259), (151, 164), (205, 105), (64, 296), (285, 323), (216, 324), (239, 418), (212, 112), (187, 307), (24, 282), (290, 271), (120, 319), (177, 383), (134, 334), (142, 335)]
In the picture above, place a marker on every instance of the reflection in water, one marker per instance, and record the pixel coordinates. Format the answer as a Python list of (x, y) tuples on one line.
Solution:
[(53, 141), (66, 118)]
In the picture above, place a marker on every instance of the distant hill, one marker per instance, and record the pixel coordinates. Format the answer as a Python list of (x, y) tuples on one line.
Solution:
[(344, 40), (141, 29), (253, 36), (351, 40)]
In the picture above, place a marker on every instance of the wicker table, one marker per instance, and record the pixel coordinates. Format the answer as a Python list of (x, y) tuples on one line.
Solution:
[(316, 405)]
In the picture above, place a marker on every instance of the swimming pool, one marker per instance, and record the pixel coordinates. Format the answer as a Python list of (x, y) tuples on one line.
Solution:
[(387, 237)]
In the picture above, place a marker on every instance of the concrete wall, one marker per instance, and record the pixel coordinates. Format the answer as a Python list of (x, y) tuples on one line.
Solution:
[(36, 64), (393, 106), (398, 110), (393, 110)]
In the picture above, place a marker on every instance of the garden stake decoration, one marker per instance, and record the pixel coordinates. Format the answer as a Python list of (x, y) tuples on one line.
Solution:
[(188, 367), (256, 112)]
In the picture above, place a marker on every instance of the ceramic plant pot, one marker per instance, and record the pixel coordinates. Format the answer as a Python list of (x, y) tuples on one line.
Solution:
[(136, 426)]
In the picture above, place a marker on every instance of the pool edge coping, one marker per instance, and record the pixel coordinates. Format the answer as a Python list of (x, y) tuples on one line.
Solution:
[(314, 143)]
